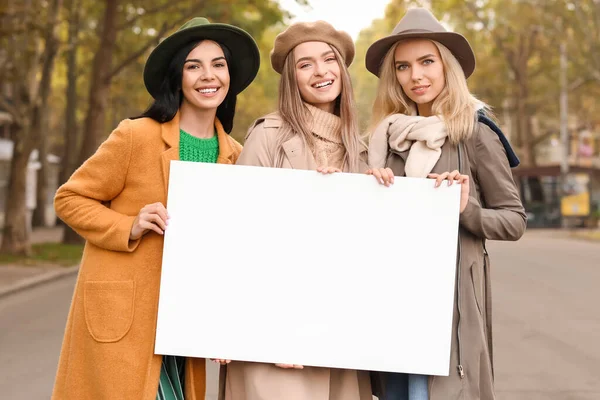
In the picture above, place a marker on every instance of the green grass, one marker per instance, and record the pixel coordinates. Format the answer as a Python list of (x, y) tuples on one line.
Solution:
[(47, 253)]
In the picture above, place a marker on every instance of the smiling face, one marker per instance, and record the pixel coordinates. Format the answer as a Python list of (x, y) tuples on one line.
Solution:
[(206, 78), (420, 72), (318, 74)]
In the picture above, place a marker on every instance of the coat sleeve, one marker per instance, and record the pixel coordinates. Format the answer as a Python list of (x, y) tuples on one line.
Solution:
[(83, 201), (257, 149), (502, 217)]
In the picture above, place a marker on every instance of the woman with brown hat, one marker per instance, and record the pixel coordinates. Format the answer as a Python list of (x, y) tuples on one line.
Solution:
[(315, 128), (116, 201), (426, 122)]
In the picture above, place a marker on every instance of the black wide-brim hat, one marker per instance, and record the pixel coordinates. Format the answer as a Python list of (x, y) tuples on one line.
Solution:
[(245, 57)]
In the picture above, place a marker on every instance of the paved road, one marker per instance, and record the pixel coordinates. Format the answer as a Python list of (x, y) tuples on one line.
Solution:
[(546, 318), (546, 322), (32, 324)]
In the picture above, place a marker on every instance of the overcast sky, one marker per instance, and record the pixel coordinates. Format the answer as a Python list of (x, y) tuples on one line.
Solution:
[(347, 15)]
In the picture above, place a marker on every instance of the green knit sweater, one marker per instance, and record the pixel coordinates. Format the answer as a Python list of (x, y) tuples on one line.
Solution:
[(192, 148)]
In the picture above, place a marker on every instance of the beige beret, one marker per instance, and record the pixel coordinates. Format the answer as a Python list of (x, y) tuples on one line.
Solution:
[(319, 31)]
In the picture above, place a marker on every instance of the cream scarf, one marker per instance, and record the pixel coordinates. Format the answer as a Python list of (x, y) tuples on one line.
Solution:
[(422, 136)]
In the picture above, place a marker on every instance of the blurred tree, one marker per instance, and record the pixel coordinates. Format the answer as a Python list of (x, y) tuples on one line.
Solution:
[(29, 48), (583, 20), (262, 96), (42, 116), (582, 37), (73, 11)]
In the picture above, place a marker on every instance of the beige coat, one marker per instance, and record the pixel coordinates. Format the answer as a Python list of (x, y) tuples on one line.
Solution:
[(108, 348), (262, 139), (494, 212), (258, 381)]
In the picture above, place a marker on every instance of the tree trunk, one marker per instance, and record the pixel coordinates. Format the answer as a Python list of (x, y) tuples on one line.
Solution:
[(41, 125), (524, 133), (70, 149), (15, 234), (97, 100), (100, 85), (70, 139), (524, 123), (39, 213)]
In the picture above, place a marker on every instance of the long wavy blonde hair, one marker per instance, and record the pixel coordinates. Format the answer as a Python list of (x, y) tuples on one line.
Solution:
[(455, 103), (296, 116)]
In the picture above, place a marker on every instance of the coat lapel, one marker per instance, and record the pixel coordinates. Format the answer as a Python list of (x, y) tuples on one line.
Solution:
[(297, 154), (170, 135), (226, 151), (448, 160)]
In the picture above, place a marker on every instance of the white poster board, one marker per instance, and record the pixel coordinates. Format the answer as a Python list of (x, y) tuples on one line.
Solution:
[(275, 265)]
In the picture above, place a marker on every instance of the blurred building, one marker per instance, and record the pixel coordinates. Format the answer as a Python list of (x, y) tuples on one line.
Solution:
[(577, 201)]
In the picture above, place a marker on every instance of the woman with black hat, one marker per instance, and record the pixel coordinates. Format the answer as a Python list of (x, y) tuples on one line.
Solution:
[(426, 123), (116, 199)]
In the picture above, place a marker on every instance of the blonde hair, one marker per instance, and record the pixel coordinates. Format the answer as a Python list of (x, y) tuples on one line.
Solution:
[(296, 116), (455, 103)]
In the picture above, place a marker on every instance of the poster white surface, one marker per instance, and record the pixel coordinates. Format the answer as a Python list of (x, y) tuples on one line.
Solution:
[(276, 265)]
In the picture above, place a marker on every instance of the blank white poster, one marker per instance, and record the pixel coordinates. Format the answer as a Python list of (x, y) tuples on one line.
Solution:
[(287, 266)]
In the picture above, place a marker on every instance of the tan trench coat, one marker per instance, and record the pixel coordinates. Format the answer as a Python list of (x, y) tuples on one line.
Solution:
[(494, 212), (108, 348), (258, 381), (262, 137)]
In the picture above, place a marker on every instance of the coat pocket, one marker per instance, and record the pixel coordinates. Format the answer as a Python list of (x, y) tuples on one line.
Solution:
[(477, 279), (108, 309)]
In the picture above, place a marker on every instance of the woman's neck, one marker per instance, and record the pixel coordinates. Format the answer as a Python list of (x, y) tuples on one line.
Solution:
[(197, 122), (424, 110)]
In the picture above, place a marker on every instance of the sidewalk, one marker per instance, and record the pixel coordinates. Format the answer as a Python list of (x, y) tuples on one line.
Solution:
[(575, 234), (14, 278)]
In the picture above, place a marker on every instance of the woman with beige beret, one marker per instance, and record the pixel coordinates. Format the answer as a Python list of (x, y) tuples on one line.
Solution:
[(426, 123), (315, 128)]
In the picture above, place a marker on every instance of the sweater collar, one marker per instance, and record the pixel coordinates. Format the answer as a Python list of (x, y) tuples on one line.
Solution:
[(170, 134), (325, 125)]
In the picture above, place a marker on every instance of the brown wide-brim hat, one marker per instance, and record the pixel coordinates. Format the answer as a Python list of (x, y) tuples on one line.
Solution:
[(420, 23), (245, 57), (318, 31)]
